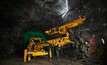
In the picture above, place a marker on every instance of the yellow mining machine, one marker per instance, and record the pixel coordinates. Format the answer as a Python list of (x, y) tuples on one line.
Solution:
[(38, 46)]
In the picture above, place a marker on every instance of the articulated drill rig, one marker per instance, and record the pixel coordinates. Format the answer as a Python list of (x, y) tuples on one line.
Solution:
[(50, 48)]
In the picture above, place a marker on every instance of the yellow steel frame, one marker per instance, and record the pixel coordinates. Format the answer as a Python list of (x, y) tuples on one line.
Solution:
[(28, 54), (38, 53)]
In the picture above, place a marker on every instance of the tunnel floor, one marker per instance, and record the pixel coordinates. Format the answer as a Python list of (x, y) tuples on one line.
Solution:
[(42, 61)]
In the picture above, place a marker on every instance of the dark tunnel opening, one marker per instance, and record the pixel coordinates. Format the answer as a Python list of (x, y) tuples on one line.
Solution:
[(25, 34)]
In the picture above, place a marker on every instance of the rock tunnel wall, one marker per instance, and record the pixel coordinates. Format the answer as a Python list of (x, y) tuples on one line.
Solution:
[(18, 16)]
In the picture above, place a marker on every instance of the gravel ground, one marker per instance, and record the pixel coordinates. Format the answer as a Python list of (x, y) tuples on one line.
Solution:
[(38, 61)]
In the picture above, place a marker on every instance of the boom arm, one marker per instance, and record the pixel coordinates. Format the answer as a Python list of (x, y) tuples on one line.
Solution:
[(63, 29)]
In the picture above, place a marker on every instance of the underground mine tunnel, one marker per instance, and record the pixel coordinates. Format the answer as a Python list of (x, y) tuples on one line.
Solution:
[(53, 32)]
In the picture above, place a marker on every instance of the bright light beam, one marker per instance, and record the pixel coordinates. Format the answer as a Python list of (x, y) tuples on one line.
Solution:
[(66, 8)]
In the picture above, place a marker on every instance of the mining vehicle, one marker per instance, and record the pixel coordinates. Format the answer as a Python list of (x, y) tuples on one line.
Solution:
[(53, 45)]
